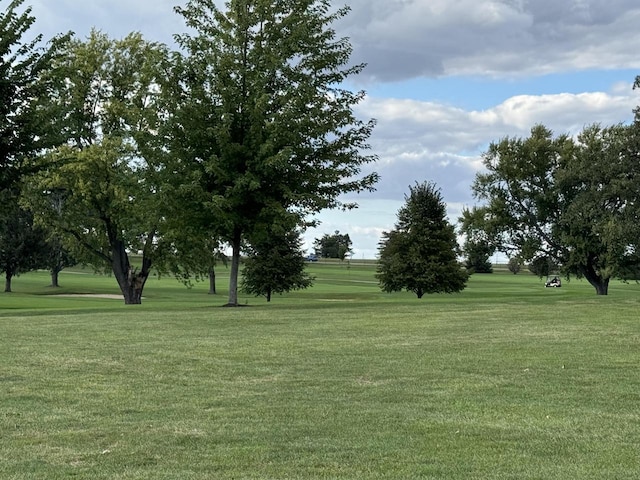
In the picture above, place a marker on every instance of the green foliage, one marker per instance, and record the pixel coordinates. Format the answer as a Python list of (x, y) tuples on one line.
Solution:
[(479, 245), (56, 257), (26, 128), (477, 255), (266, 125), (514, 265), (22, 244), (275, 264), (574, 201), (194, 257), (103, 190), (25, 123), (420, 254), (542, 266), (337, 245)]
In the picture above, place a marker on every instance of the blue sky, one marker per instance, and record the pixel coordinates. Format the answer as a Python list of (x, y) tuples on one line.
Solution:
[(455, 90), (444, 79)]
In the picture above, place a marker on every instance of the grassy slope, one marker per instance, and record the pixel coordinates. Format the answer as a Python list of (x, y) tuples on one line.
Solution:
[(506, 380)]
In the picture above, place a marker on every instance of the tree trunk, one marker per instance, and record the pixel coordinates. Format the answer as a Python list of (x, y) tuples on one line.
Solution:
[(130, 280), (268, 295), (54, 278), (7, 282), (133, 291), (598, 282), (602, 288), (212, 281), (235, 269), (601, 285)]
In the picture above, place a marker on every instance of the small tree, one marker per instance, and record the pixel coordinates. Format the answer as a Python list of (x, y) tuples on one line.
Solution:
[(56, 257), (514, 265), (477, 255), (420, 254), (21, 243), (333, 246), (275, 264)]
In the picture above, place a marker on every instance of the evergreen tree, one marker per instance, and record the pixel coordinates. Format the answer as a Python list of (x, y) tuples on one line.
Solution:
[(420, 254), (275, 264), (477, 254)]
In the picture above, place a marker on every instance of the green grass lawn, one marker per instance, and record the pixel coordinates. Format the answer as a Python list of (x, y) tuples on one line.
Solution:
[(506, 380)]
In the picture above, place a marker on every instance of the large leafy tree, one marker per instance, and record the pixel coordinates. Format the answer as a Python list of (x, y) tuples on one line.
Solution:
[(103, 190), (420, 254), (575, 202), (266, 123)]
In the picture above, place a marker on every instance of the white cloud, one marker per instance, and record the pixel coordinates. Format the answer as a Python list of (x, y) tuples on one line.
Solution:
[(401, 39), (500, 38), (412, 129)]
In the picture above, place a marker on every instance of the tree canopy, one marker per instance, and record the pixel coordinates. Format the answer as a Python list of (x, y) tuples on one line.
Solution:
[(22, 244), (575, 201), (102, 190), (420, 254), (27, 127)]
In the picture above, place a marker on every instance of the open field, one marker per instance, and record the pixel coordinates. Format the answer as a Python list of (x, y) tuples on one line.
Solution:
[(507, 380)]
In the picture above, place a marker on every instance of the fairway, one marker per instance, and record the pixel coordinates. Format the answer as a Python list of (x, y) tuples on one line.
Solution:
[(506, 380)]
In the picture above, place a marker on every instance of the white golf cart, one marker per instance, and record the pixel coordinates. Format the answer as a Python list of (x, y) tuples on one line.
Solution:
[(553, 281)]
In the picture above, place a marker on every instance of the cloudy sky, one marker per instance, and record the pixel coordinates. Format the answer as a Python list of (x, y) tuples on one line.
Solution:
[(444, 79)]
